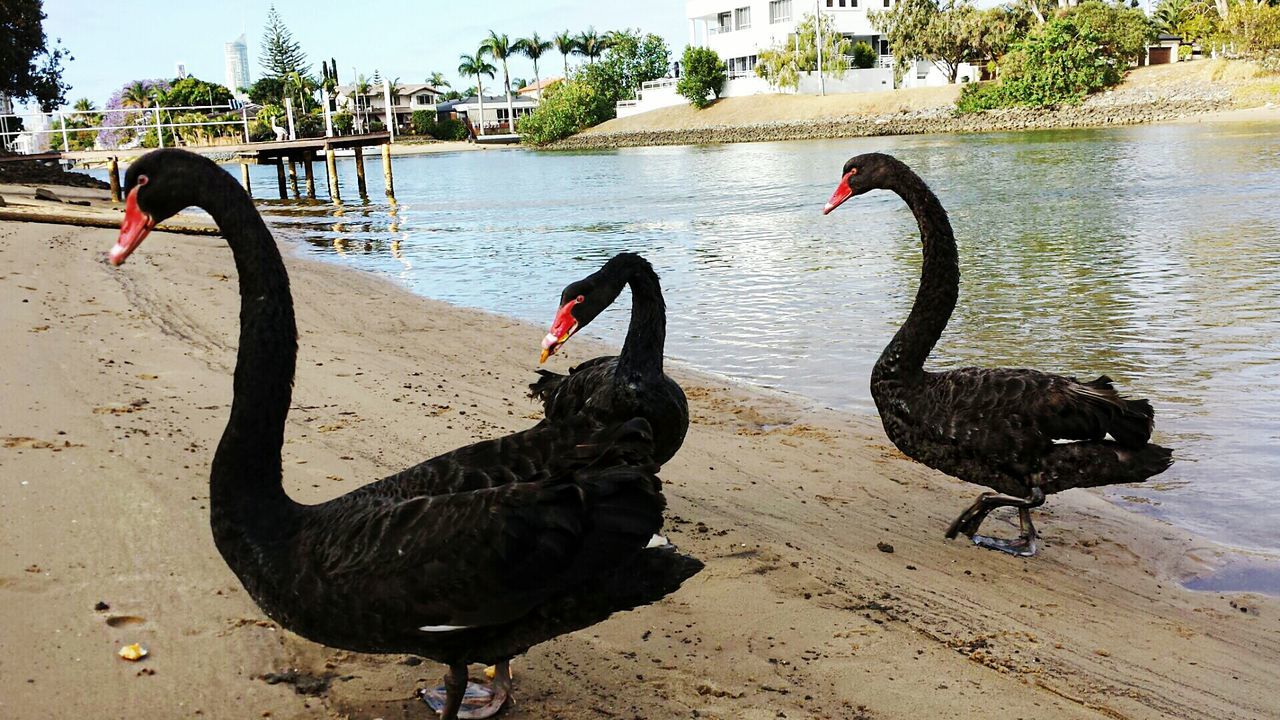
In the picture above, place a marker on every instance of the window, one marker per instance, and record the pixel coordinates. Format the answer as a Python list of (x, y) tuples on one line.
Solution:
[(724, 22), (831, 3), (884, 44), (742, 18), (780, 11), (887, 3), (423, 99)]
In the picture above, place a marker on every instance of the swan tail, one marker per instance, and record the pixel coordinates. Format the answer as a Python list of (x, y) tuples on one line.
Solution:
[(1095, 463), (1129, 421), (546, 385)]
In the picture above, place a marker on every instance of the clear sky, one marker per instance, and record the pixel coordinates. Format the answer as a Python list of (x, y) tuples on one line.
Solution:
[(116, 41)]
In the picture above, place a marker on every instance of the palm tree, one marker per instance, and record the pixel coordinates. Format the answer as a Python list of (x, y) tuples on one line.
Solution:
[(566, 44), (499, 48), (437, 81), (532, 47), (475, 65), (590, 44), (362, 100), (137, 95)]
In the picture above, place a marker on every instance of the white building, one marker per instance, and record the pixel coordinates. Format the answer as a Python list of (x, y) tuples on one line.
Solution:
[(236, 58), (372, 104), (739, 29)]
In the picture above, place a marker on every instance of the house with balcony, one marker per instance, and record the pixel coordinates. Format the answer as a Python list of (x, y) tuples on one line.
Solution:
[(371, 104)]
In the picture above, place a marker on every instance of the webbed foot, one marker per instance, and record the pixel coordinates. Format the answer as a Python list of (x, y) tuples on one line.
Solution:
[(478, 701)]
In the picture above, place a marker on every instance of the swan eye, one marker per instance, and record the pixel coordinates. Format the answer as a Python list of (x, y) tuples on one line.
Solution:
[(579, 299), (143, 180), (853, 171)]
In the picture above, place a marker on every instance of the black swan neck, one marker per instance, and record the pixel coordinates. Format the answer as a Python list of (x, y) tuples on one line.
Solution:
[(647, 334), (939, 280), (246, 480)]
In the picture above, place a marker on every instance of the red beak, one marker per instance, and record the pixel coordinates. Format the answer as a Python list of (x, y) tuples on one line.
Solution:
[(842, 193), (562, 328), (135, 226)]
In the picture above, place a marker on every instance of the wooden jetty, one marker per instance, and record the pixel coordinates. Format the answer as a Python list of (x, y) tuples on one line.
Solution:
[(285, 155)]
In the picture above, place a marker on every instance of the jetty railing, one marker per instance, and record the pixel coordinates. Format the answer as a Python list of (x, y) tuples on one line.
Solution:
[(13, 138)]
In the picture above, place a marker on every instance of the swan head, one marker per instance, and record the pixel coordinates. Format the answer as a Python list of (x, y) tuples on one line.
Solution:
[(157, 186), (861, 174), (582, 301)]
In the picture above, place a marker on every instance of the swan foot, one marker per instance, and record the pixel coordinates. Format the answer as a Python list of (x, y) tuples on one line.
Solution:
[(970, 520), (476, 701)]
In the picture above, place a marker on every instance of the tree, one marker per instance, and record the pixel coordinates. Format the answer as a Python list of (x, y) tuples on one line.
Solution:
[(994, 30), (499, 48), (437, 81), (140, 94), (631, 59), (782, 65), (475, 65), (935, 30), (566, 44), (190, 91), (281, 54), (532, 47), (266, 91), (567, 107), (864, 56), (29, 68), (1124, 32), (702, 72), (589, 44)]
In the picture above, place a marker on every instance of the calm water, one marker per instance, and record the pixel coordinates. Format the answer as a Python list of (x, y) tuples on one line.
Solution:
[(1150, 254)]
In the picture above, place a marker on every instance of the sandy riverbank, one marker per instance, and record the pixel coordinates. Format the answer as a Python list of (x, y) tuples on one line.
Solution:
[(1208, 90), (117, 388)]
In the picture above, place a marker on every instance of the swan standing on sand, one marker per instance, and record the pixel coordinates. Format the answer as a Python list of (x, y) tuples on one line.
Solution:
[(991, 426), (473, 556), (631, 384)]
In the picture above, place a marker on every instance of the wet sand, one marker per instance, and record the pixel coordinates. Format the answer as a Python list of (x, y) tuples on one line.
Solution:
[(116, 389)]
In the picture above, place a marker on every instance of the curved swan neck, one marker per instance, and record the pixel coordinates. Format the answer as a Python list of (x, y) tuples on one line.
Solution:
[(246, 471), (939, 280), (647, 334)]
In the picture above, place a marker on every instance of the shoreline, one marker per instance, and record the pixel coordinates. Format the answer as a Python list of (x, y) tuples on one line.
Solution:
[(785, 504), (1198, 91)]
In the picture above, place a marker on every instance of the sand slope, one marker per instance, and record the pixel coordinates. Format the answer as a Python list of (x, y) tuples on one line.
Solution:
[(116, 388)]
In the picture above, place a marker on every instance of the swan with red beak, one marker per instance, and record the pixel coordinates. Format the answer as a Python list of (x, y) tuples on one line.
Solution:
[(134, 228), (562, 328)]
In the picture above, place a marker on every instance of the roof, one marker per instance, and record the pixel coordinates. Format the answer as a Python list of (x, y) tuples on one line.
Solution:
[(402, 88), (496, 99), (539, 85)]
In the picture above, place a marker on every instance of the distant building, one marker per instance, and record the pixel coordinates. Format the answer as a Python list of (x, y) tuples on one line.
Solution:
[(180, 70), (236, 55), (372, 105), (534, 90)]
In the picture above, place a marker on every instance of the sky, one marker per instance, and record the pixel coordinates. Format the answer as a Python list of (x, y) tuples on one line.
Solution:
[(118, 41)]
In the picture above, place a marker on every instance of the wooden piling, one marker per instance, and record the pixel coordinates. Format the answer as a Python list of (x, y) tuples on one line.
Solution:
[(284, 189), (113, 170), (331, 167), (307, 161), (293, 177), (360, 183), (244, 177), (386, 172)]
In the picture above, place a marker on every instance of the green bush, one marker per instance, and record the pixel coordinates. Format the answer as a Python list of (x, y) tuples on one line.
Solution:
[(1254, 30), (864, 56), (978, 96), (423, 122), (309, 125), (1122, 32), (450, 129), (343, 123), (701, 72), (566, 108), (377, 126)]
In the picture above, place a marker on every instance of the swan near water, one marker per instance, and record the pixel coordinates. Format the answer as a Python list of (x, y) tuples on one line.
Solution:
[(480, 553)]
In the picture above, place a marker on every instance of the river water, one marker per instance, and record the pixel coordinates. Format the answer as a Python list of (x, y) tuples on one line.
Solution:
[(1150, 254)]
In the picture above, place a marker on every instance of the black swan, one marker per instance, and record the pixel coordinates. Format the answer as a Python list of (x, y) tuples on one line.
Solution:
[(473, 556), (632, 384), (1023, 433)]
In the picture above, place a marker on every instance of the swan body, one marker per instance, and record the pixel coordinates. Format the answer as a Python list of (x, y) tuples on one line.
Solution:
[(630, 384), (1021, 432), (472, 556)]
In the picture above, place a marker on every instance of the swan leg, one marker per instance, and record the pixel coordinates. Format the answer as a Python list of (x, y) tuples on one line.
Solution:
[(1024, 546), (469, 701)]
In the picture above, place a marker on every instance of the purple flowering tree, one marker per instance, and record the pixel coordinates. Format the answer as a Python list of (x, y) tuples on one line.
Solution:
[(121, 110)]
